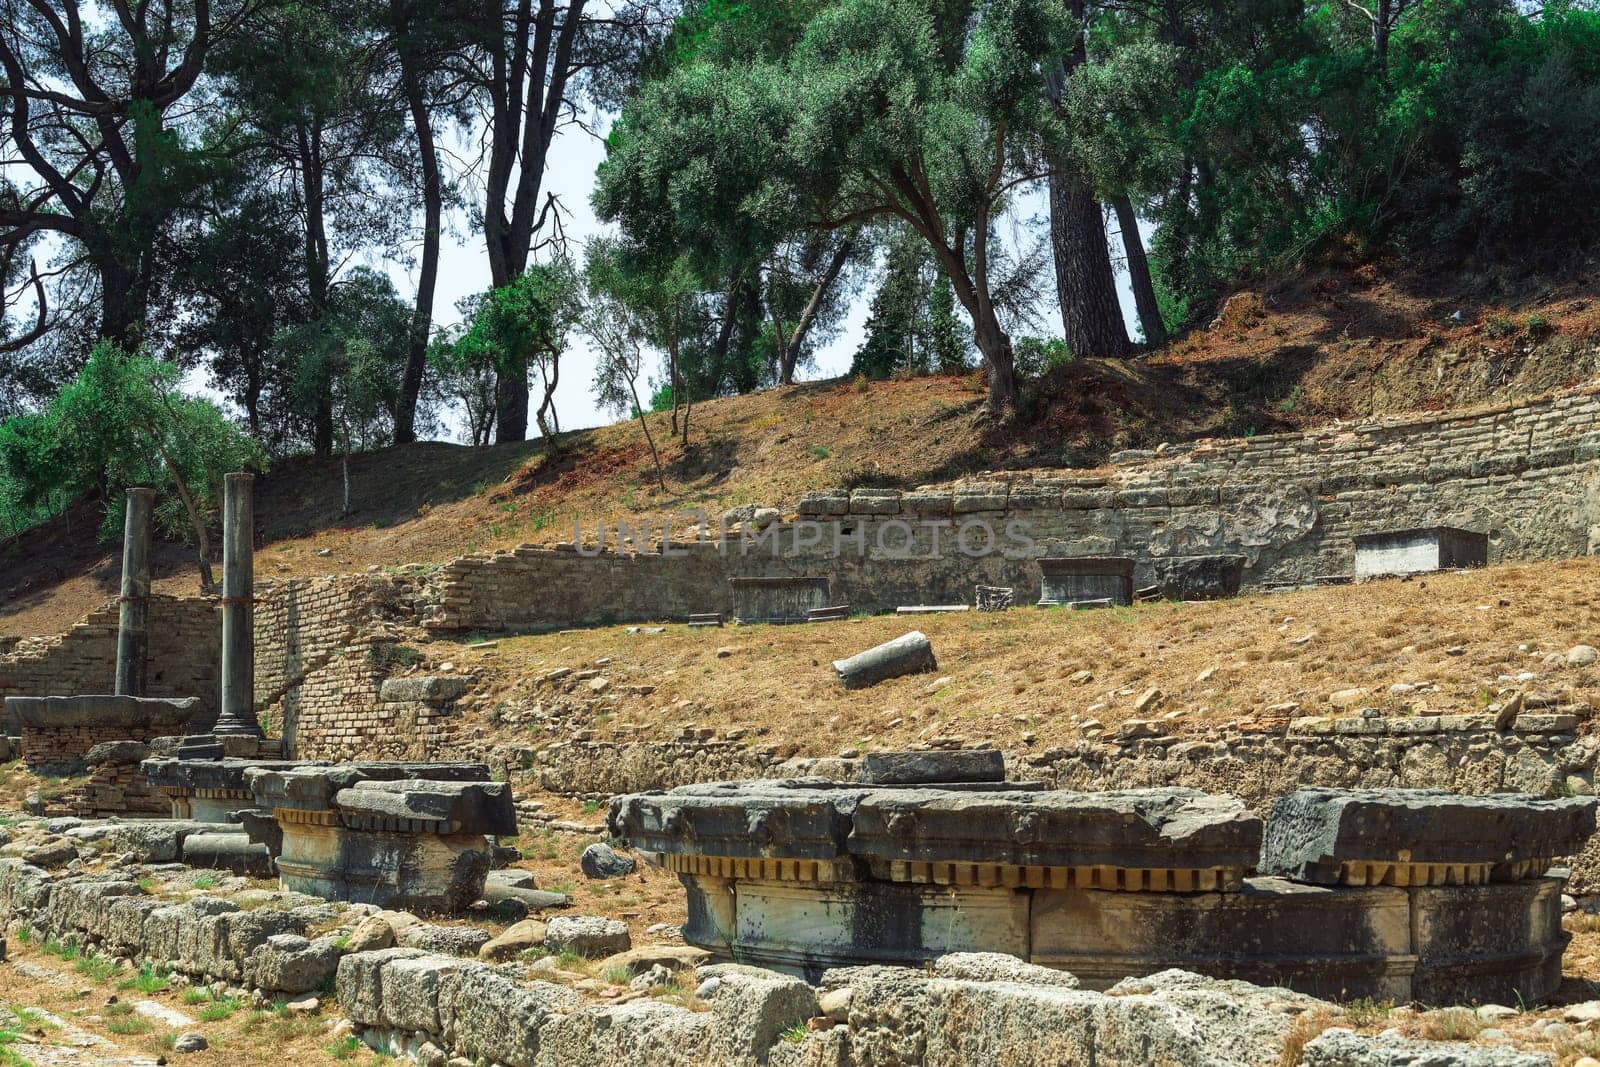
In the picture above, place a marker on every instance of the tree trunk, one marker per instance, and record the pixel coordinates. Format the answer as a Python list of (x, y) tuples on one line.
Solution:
[(511, 403), (318, 269), (121, 317), (673, 376), (528, 91), (791, 354), (202, 543), (1144, 289), (996, 348), (987, 333), (433, 209), (644, 424), (1085, 285)]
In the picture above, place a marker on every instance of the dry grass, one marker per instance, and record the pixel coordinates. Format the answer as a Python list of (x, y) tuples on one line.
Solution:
[(1008, 678), (1302, 1031), (1451, 1024)]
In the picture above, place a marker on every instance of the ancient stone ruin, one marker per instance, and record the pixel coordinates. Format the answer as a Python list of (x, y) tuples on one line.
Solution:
[(59, 732), (374, 836), (1082, 580), (1419, 551), (778, 599), (1390, 894)]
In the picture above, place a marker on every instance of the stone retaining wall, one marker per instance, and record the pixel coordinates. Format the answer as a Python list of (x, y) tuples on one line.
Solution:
[(208, 939), (965, 1009), (185, 656), (1292, 504)]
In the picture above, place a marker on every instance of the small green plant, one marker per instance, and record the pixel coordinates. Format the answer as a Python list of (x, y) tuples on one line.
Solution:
[(347, 1049), (34, 1019), (1367, 1012), (9, 1057), (57, 949), (205, 881), (149, 979), (819, 451), (1500, 325), (98, 968), (617, 975), (795, 1034), (130, 1026), (218, 1010), (1538, 325), (25, 935), (196, 995), (387, 655)]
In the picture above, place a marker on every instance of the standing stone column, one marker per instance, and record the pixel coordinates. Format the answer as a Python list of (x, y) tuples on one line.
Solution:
[(133, 625), (238, 609)]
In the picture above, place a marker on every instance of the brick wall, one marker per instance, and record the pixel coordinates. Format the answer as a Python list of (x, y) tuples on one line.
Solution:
[(185, 656), (1292, 504), (323, 648)]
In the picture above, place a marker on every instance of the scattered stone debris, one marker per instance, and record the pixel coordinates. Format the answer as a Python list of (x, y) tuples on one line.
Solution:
[(602, 861)]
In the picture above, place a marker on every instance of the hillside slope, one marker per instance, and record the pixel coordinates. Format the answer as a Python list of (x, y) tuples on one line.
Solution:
[(1322, 348)]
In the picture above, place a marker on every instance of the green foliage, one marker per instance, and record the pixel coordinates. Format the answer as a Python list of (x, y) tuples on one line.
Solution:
[(521, 325), (911, 325), (122, 421), (878, 109), (1037, 356), (349, 359)]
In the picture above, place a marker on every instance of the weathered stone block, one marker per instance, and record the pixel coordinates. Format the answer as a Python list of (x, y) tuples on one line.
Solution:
[(587, 935), (1338, 943), (457, 807), (486, 1014), (755, 1008), (640, 1032), (1313, 834), (1339, 1047), (410, 991), (1080, 579), (289, 963), (1143, 829), (360, 983), (1199, 577), (932, 768), (1499, 943), (1432, 548)]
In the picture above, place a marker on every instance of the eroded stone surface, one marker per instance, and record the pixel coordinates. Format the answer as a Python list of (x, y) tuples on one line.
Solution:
[(1312, 833), (1339, 1047), (1155, 828)]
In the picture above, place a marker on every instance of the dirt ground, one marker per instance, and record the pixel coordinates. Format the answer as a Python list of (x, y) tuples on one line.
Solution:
[(1030, 679)]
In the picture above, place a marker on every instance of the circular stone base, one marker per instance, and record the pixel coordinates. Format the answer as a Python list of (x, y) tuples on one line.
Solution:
[(1497, 943)]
